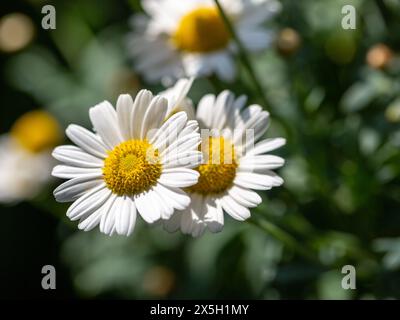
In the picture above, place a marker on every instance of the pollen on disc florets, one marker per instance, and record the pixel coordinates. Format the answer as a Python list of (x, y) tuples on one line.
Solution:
[(201, 30), (132, 167), (218, 173)]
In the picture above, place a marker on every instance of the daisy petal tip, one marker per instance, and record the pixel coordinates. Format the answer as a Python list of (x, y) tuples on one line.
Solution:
[(181, 114), (71, 217), (55, 152), (145, 93), (70, 128), (129, 232), (215, 226), (125, 98), (281, 142), (54, 172), (101, 105), (280, 182), (58, 197), (161, 101)]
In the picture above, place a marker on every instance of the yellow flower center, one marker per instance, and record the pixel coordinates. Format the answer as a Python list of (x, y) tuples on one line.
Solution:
[(132, 167), (201, 30), (37, 131), (217, 174)]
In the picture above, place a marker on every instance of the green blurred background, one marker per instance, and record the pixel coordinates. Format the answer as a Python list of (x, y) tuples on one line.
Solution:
[(333, 93)]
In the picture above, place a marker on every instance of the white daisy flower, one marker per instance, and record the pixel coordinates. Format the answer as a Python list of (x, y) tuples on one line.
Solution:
[(178, 38), (136, 163), (234, 165), (25, 156)]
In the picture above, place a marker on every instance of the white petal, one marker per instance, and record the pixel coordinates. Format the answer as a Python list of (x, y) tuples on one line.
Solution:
[(124, 109), (112, 232), (225, 68), (198, 229), (88, 203), (221, 109), (192, 126), (204, 111), (177, 95), (87, 141), (179, 177), (174, 223), (234, 209), (245, 197), (105, 122), (266, 145), (187, 107), (151, 60), (169, 131), (154, 116), (90, 222), (68, 172), (182, 144), (258, 12), (76, 157), (140, 105), (260, 162), (189, 159), (166, 209), (107, 221), (252, 118), (182, 88), (234, 113), (194, 223), (146, 207), (256, 39), (194, 216), (196, 65), (175, 196), (214, 216), (75, 188), (126, 216), (257, 181), (275, 179)]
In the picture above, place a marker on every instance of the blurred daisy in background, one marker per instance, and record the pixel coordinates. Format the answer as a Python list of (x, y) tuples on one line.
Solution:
[(136, 163), (25, 156), (190, 38), (234, 164)]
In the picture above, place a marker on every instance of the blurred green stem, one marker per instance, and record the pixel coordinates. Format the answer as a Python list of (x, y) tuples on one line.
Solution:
[(243, 55), (285, 238)]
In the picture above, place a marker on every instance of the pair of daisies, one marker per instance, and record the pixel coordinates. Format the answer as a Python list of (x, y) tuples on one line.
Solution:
[(149, 158), (172, 39)]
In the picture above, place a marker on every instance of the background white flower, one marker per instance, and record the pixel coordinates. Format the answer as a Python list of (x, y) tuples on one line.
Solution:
[(23, 174), (137, 162), (25, 156), (179, 38), (242, 166)]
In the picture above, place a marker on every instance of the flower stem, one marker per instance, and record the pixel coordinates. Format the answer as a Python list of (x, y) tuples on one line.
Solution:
[(285, 238), (243, 55)]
